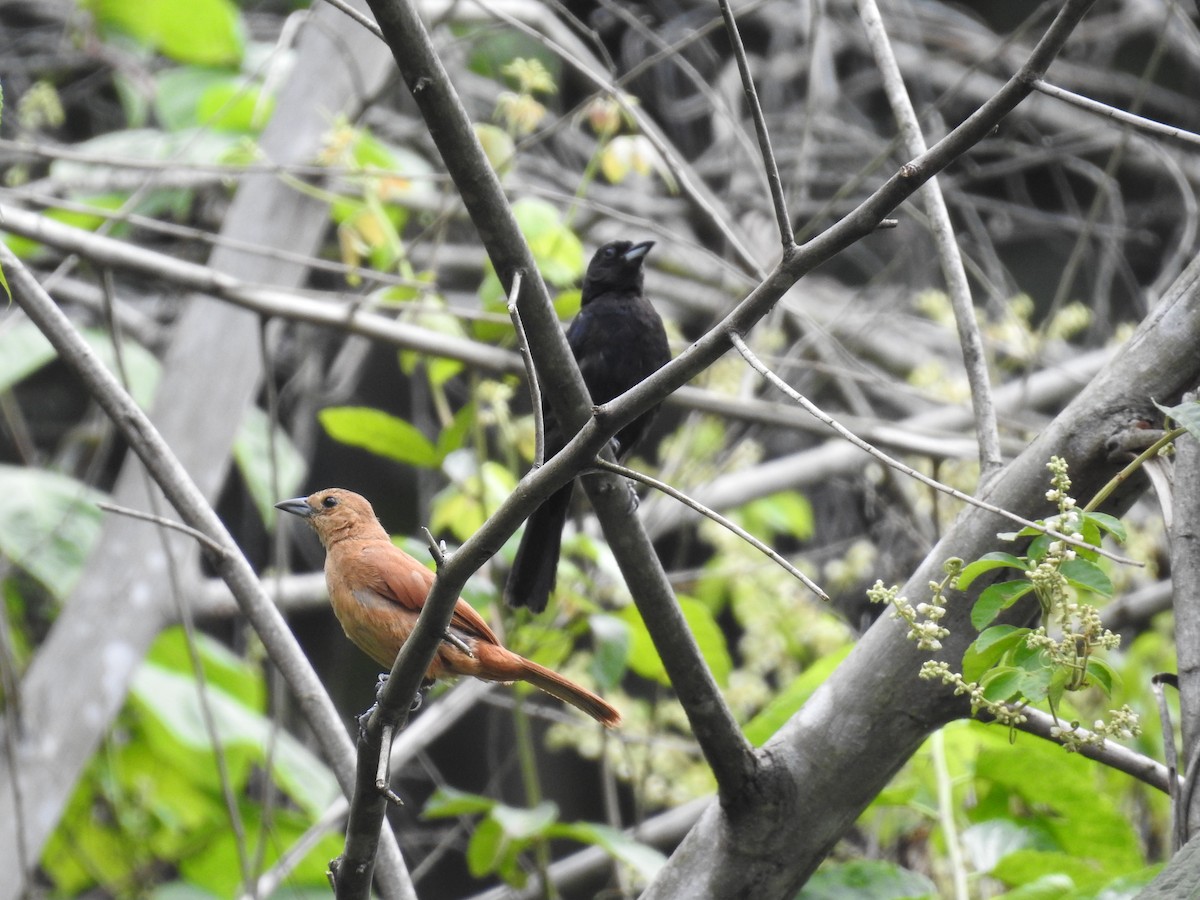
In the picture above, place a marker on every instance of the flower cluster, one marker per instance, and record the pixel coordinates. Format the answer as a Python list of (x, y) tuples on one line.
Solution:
[(922, 620)]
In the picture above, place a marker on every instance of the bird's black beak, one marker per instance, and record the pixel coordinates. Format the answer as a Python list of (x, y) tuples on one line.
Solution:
[(637, 251), (297, 506)]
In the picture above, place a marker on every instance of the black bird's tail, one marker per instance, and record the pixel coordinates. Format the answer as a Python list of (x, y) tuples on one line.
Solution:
[(535, 566)]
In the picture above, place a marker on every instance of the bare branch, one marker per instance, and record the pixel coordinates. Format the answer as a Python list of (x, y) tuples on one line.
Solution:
[(812, 408), (974, 357), (783, 218), (725, 523)]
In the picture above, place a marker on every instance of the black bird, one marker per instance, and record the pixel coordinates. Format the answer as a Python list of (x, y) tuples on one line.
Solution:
[(618, 340)]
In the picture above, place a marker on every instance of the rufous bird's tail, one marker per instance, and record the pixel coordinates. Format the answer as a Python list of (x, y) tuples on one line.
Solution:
[(509, 666)]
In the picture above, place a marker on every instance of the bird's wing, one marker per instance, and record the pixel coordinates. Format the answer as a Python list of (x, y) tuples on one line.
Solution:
[(406, 582)]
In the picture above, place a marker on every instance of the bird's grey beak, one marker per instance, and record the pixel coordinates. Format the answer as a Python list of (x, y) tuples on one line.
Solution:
[(297, 506), (637, 251)]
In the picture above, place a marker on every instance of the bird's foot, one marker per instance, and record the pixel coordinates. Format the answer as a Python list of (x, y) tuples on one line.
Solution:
[(380, 684), (634, 500)]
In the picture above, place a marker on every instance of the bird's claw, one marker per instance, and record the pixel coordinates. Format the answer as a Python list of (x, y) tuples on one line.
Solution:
[(380, 684)]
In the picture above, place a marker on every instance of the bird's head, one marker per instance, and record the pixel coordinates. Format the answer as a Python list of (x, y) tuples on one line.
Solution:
[(335, 514), (616, 265)]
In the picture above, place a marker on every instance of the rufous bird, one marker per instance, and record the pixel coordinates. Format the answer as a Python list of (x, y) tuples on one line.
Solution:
[(377, 591)]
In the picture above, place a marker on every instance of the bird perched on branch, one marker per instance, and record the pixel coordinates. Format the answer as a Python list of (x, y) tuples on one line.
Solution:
[(377, 591), (618, 340)]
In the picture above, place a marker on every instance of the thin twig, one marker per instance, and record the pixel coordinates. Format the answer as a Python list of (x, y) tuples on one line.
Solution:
[(209, 544), (361, 18), (1124, 475), (1110, 753), (1117, 115), (957, 286), (782, 218), (699, 507), (535, 388), (813, 409)]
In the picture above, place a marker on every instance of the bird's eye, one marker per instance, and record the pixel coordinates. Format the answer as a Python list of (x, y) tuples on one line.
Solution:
[(610, 252), (329, 502)]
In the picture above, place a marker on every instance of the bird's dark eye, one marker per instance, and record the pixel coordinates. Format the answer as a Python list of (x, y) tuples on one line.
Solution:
[(329, 501), (610, 252)]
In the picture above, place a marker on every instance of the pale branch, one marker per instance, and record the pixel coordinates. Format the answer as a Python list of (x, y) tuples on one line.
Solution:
[(958, 288), (216, 239), (783, 219), (1115, 756), (183, 494), (756, 364), (1117, 115), (262, 300), (535, 388), (725, 523)]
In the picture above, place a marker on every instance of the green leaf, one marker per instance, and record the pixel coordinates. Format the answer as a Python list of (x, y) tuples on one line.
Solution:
[(988, 842), (1001, 684), (1087, 575), (644, 658), (207, 32), (989, 648), (1186, 414), (236, 105), (1101, 674), (251, 451), (786, 513), (986, 563), (1111, 524), (454, 435), (49, 526), (380, 433), (611, 656), (867, 879), (23, 350), (522, 824), (448, 802), (787, 702), (223, 669), (642, 858), (995, 599), (170, 701), (486, 848)]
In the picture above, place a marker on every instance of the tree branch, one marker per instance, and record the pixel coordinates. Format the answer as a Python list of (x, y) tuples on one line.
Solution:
[(974, 357)]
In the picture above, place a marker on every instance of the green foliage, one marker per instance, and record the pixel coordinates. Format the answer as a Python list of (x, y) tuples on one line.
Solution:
[(1030, 818), (505, 833), (49, 526), (380, 433), (787, 702), (556, 249), (268, 476), (155, 796), (644, 658), (866, 879), (475, 492), (1187, 415), (205, 32), (1005, 668), (190, 97)]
